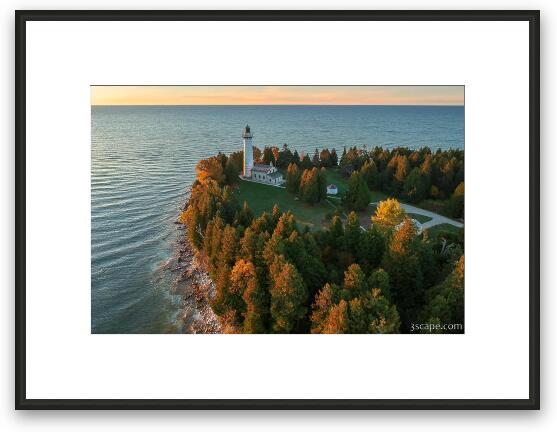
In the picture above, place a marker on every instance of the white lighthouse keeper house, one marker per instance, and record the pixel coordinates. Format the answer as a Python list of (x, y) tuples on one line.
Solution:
[(248, 151)]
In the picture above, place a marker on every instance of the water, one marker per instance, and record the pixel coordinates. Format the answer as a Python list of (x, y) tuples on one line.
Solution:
[(143, 160)]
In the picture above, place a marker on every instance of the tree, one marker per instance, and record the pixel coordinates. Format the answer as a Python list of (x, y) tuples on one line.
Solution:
[(325, 158), (384, 317), (388, 214), (338, 320), (315, 159), (293, 178), (445, 302), (370, 248), (355, 283), (456, 203), (268, 156), (324, 301), (229, 205), (251, 247), (371, 174), (244, 283), (285, 157), (229, 246), (322, 184), (296, 158), (220, 302), (415, 186), (256, 154), (336, 232), (402, 263), (379, 278), (210, 168), (352, 232), (288, 295), (306, 164), (309, 186), (357, 196), (244, 217), (402, 170), (334, 158), (231, 172)]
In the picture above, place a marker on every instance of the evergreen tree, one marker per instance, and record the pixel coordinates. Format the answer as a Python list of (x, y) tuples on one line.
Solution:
[(244, 217), (371, 174), (306, 164), (379, 278), (445, 302), (231, 172), (229, 246), (406, 279), (384, 317), (292, 178), (268, 156), (415, 186), (315, 159), (244, 283), (296, 158), (355, 283), (322, 184), (309, 186), (288, 295), (285, 157), (334, 158), (357, 196), (456, 203), (402, 171), (353, 232)]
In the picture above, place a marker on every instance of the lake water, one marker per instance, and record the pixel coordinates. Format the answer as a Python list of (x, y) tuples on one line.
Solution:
[(143, 161)]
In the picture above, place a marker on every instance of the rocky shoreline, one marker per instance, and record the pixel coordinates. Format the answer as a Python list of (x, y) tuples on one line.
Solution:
[(196, 288)]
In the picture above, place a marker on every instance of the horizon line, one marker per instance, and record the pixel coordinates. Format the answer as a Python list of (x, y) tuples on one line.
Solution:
[(305, 104)]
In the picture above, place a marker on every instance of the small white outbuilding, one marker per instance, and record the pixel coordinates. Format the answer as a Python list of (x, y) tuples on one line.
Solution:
[(332, 189)]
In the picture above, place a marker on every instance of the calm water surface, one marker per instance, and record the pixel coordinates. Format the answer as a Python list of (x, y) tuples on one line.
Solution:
[(143, 161)]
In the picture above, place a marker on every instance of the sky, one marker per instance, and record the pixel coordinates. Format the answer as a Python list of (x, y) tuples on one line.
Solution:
[(277, 95)]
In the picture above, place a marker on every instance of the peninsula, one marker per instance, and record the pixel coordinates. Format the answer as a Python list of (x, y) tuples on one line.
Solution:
[(371, 241)]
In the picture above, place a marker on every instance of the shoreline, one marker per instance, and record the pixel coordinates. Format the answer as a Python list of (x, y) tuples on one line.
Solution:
[(196, 288)]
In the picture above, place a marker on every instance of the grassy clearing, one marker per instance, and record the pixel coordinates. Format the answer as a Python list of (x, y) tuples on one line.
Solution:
[(334, 176), (261, 197), (440, 229), (420, 218)]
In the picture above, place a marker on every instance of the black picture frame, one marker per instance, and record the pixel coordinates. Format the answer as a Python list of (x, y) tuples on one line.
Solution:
[(531, 16)]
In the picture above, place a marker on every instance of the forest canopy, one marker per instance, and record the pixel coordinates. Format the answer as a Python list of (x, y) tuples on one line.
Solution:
[(271, 276)]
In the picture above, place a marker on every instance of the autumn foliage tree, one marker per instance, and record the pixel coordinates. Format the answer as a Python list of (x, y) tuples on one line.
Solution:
[(288, 295), (293, 178), (388, 214)]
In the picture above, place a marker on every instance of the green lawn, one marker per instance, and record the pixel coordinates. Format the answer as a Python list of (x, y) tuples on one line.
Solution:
[(334, 176), (420, 218), (436, 230), (261, 197)]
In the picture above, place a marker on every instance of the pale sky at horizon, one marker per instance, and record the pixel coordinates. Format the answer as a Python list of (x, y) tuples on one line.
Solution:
[(277, 95)]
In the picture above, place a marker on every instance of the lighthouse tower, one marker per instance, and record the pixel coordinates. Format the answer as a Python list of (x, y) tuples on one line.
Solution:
[(248, 151)]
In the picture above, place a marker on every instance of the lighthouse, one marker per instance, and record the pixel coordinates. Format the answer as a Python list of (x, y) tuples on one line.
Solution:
[(248, 151)]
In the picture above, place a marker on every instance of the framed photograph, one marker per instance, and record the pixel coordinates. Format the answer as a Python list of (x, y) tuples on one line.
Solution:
[(266, 210)]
